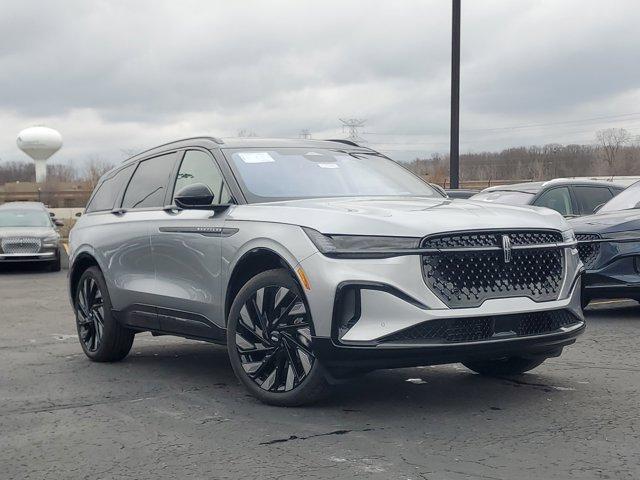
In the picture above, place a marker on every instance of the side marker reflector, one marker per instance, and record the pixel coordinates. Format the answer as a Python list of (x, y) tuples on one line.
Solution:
[(303, 278)]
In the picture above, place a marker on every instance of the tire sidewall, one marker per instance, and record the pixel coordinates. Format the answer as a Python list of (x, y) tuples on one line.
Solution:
[(299, 394), (109, 322)]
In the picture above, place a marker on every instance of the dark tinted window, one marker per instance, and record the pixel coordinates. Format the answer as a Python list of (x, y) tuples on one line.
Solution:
[(557, 199), (106, 195), (199, 167), (590, 197), (149, 183)]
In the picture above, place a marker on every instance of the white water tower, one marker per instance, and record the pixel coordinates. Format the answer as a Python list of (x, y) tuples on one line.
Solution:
[(39, 143)]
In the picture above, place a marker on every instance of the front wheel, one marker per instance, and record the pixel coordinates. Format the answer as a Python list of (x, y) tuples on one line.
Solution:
[(269, 333), (505, 366)]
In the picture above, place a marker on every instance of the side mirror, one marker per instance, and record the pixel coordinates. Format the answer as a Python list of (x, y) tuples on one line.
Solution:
[(78, 214), (597, 207), (52, 215), (195, 196), (58, 223)]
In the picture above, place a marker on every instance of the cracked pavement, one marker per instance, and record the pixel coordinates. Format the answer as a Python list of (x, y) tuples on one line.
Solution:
[(173, 409)]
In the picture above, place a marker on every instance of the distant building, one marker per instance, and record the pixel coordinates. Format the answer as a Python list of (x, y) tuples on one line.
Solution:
[(52, 194)]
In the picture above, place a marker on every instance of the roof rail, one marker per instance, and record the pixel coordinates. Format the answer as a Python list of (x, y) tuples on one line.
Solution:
[(340, 140), (219, 141)]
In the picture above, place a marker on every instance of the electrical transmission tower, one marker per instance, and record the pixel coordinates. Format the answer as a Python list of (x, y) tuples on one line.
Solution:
[(305, 133), (351, 126)]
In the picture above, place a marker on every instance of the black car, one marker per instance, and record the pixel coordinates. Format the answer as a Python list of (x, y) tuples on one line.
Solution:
[(570, 197), (609, 247)]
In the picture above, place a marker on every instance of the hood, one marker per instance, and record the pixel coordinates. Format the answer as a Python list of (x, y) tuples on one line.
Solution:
[(399, 216), (38, 232), (621, 221)]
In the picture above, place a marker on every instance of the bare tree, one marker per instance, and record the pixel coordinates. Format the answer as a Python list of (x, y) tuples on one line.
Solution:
[(95, 168), (611, 140), (61, 173)]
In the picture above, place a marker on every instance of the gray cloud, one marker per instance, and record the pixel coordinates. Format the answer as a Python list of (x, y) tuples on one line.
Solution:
[(112, 75)]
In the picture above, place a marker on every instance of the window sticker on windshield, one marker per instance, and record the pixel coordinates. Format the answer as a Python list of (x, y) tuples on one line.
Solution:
[(328, 165), (256, 157), (312, 154)]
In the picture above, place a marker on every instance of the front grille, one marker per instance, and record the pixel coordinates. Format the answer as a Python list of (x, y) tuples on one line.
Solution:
[(468, 278), (588, 252), (484, 328), (23, 245)]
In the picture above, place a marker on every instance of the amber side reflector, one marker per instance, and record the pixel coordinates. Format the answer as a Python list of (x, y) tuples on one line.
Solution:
[(303, 278)]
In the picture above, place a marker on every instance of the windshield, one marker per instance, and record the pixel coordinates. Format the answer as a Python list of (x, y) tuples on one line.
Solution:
[(24, 218), (288, 173), (510, 197), (625, 200)]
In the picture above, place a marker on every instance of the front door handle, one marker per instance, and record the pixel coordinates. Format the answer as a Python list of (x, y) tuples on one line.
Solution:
[(119, 211)]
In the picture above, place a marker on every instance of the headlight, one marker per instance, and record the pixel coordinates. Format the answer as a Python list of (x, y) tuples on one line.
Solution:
[(568, 236), (627, 236), (360, 245), (51, 241)]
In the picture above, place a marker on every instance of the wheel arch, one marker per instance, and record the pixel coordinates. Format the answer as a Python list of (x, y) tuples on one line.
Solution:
[(251, 263), (80, 264)]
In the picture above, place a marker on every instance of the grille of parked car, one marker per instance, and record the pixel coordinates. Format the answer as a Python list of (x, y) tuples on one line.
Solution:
[(465, 269), (588, 251), (23, 245), (456, 330)]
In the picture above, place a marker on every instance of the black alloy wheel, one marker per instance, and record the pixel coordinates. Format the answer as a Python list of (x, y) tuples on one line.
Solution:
[(102, 338), (269, 338), (273, 339), (90, 314)]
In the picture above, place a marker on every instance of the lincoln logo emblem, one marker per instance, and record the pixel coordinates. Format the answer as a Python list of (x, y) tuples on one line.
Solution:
[(506, 248)]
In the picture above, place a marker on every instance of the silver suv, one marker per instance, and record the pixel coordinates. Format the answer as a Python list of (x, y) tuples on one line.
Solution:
[(28, 233), (314, 261)]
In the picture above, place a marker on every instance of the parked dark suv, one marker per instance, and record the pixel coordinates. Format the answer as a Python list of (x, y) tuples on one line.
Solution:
[(570, 197), (315, 260)]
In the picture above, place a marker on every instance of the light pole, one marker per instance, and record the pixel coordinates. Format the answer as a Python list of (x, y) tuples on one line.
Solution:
[(454, 148)]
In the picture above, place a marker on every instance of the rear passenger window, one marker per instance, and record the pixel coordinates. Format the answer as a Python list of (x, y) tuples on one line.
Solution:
[(199, 167), (107, 192), (149, 183), (590, 197)]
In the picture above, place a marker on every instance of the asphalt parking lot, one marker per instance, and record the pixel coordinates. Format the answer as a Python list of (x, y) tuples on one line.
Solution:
[(173, 409)]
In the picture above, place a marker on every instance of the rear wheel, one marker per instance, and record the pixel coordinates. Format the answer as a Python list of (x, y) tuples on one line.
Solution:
[(506, 366), (102, 338), (269, 341)]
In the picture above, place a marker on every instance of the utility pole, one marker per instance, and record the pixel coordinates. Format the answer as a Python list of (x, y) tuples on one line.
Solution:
[(454, 148), (351, 126)]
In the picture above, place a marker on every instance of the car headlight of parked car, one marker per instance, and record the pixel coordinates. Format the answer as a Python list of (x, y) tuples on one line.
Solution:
[(51, 241), (360, 245)]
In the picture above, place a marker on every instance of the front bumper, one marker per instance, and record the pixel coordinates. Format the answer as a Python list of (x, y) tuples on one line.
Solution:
[(615, 273), (346, 358), (46, 256), (393, 298)]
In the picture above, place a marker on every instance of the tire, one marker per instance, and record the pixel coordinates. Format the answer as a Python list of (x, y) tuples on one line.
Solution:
[(269, 333), (54, 266), (101, 337), (506, 366)]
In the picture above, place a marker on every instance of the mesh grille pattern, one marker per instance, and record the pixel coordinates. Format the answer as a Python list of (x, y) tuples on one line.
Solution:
[(492, 239), (24, 245), (484, 328), (588, 251), (467, 279)]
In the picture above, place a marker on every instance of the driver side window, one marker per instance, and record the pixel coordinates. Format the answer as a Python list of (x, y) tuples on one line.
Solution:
[(557, 199), (199, 167)]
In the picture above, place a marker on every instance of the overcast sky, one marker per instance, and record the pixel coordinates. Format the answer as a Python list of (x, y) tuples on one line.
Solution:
[(116, 75)]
